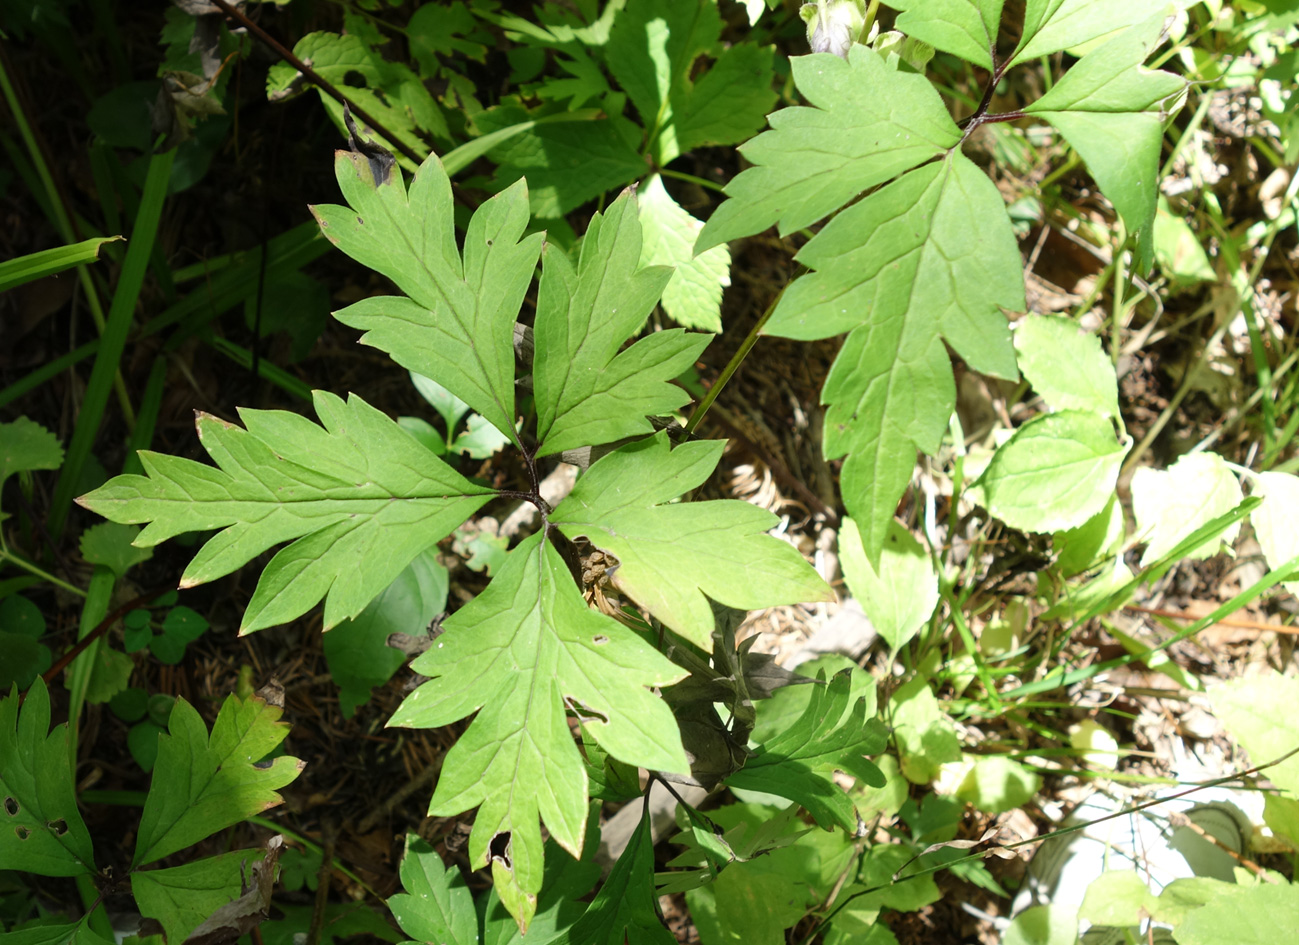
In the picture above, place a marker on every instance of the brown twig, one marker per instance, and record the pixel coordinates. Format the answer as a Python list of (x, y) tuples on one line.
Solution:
[(317, 79), (1225, 621)]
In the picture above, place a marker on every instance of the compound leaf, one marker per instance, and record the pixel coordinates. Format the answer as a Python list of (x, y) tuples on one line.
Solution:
[(1112, 111), (1053, 25), (457, 323), (965, 28), (867, 123), (41, 830), (625, 909), (929, 257), (437, 905), (204, 784), (527, 647), (671, 554), (832, 734), (337, 491), (587, 391)]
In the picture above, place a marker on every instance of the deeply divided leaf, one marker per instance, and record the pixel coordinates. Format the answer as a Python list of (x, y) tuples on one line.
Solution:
[(929, 257), (519, 654), (588, 391), (456, 323), (41, 830), (671, 554), (338, 492), (203, 784), (866, 124)]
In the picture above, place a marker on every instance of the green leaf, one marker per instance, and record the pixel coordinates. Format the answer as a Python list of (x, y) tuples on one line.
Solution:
[(110, 674), (1043, 925), (1276, 521), (726, 105), (929, 257), (1245, 915), (995, 783), (457, 323), (78, 933), (181, 898), (566, 164), (517, 654), (671, 554), (203, 784), (787, 704), (24, 269), (21, 627), (338, 493), (1257, 713), (110, 544), (1178, 252), (867, 124), (1053, 25), (1112, 111), (480, 439), (1056, 471), (25, 445), (390, 91), (925, 736), (587, 391), (437, 905), (626, 908), (181, 627), (1171, 504), (449, 407), (833, 734), (1066, 365), (693, 296), (357, 650), (901, 593), (964, 28), (41, 830)]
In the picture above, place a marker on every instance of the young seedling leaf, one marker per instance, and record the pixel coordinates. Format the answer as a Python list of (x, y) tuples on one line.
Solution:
[(867, 123), (799, 763), (112, 545), (25, 445), (518, 654), (456, 323), (1112, 111), (626, 908), (1053, 25), (901, 593), (41, 830), (204, 784), (21, 627), (929, 257), (965, 28), (693, 297), (437, 905), (338, 492), (670, 554), (357, 650), (181, 898), (587, 391), (1055, 472)]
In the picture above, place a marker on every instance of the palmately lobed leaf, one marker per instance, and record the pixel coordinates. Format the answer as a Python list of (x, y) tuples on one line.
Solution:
[(930, 256), (202, 784), (457, 323), (588, 392), (866, 123), (518, 654), (357, 496), (671, 554), (41, 830)]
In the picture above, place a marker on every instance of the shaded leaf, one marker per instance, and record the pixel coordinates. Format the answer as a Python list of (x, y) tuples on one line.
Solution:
[(41, 830), (338, 492), (181, 898), (456, 322), (110, 544), (672, 554), (25, 445), (517, 654), (437, 905), (588, 391), (204, 784)]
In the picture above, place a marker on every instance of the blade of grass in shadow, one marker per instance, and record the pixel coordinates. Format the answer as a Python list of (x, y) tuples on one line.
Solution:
[(24, 269), (113, 339)]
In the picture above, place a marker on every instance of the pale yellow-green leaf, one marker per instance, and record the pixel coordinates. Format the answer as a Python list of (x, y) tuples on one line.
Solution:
[(1259, 713), (1170, 504), (899, 595), (1276, 521), (693, 296)]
